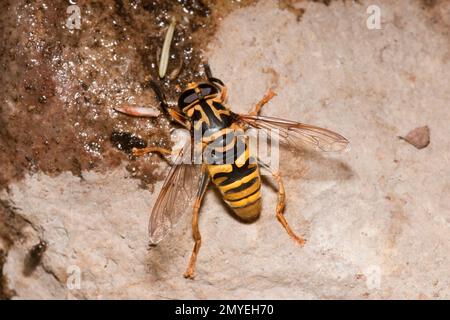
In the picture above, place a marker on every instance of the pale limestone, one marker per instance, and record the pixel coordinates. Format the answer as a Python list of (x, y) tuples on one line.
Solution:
[(377, 219)]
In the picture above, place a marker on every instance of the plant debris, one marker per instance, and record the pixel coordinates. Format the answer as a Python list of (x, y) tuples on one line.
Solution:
[(419, 137), (164, 61)]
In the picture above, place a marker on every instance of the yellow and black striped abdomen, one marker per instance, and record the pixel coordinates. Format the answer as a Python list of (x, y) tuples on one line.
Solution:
[(239, 182), (227, 154)]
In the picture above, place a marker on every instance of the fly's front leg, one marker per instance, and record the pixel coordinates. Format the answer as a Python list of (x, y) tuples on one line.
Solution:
[(153, 113), (280, 206), (143, 112), (204, 181), (143, 151), (269, 95)]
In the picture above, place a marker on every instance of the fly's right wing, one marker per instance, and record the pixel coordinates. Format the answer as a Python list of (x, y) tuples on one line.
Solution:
[(297, 135)]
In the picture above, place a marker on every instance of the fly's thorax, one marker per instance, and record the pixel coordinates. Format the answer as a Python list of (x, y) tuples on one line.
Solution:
[(209, 116), (225, 146)]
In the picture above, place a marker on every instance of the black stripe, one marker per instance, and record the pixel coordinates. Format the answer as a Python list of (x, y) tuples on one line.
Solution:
[(224, 139), (218, 106), (214, 155), (244, 197), (242, 186), (236, 173), (214, 122)]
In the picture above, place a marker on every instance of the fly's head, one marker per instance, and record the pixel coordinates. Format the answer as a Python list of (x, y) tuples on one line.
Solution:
[(194, 93)]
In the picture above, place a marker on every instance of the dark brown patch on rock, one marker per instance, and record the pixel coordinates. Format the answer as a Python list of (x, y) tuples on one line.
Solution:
[(59, 86), (429, 3), (437, 13), (5, 292), (290, 5), (126, 141), (10, 231), (294, 6), (34, 257)]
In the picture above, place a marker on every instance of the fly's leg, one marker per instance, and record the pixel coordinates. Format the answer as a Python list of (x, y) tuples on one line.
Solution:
[(152, 113), (148, 112), (280, 208), (281, 204), (204, 181), (169, 108), (269, 95), (143, 151)]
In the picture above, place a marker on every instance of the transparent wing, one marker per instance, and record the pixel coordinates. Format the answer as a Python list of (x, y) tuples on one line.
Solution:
[(175, 198), (297, 135)]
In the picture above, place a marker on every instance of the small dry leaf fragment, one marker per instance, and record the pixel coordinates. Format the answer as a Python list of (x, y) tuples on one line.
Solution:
[(164, 60), (419, 137)]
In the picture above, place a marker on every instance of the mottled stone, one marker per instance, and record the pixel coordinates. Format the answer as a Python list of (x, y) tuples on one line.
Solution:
[(377, 218)]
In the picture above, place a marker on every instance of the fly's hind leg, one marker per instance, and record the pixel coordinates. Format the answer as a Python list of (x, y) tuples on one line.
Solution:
[(279, 211), (269, 95), (204, 181), (280, 206)]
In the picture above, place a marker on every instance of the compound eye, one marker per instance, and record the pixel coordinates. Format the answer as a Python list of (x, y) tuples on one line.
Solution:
[(187, 98), (207, 90)]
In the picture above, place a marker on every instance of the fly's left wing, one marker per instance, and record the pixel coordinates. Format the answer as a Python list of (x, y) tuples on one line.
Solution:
[(297, 135), (175, 198)]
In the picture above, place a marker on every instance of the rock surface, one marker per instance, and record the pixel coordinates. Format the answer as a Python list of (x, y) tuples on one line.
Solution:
[(376, 219)]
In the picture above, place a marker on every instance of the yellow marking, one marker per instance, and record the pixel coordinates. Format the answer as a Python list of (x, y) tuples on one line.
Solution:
[(245, 201), (192, 85), (216, 135), (175, 115), (242, 159), (216, 111), (190, 112), (250, 211), (198, 125), (219, 180), (219, 168), (226, 147), (204, 117), (190, 107)]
